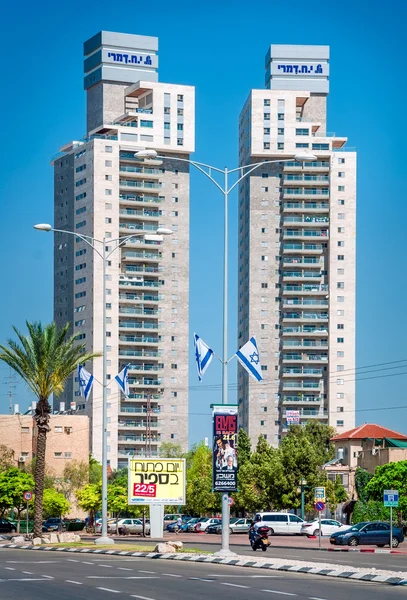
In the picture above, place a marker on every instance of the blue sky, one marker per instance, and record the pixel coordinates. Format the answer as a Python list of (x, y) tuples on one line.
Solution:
[(219, 47)]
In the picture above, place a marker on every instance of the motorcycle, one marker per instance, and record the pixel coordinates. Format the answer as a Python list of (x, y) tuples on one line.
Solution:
[(260, 539)]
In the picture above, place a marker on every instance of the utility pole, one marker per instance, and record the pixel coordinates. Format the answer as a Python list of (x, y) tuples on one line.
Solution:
[(10, 381), (148, 446)]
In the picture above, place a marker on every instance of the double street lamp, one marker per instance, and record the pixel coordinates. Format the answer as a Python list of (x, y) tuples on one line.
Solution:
[(225, 189), (104, 254)]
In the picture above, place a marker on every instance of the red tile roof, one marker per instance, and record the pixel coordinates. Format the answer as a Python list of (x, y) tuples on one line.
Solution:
[(369, 431)]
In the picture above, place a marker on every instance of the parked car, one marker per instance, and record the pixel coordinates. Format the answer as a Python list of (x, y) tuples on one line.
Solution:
[(237, 525), (130, 526), (371, 532), (190, 525), (328, 526), (53, 524), (204, 522), (98, 525), (6, 526), (173, 527), (280, 522), (215, 528)]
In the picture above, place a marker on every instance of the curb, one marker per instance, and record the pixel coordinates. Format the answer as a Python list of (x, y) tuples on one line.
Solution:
[(371, 577)]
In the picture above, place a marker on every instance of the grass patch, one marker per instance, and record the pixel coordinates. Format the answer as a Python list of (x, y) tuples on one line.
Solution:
[(126, 547)]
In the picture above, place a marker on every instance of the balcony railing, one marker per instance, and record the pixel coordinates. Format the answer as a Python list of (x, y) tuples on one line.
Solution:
[(306, 287), (310, 413), (140, 184), (306, 205), (142, 269), (138, 226), (308, 219), (145, 367), (305, 329), (141, 198), (304, 260), (142, 254), (142, 297), (142, 170), (309, 357), (306, 178), (301, 398), (317, 163), (145, 381), (125, 282), (301, 275), (305, 302), (306, 192), (302, 384), (138, 339), (305, 344), (133, 410), (305, 316), (138, 311), (140, 213), (138, 325), (305, 233), (140, 353), (301, 371)]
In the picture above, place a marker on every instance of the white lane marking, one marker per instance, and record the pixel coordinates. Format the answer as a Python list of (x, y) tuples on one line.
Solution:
[(27, 572), (48, 577), (140, 571), (25, 579), (171, 575), (236, 585), (31, 562), (200, 579), (107, 566), (76, 582), (72, 560), (141, 597), (246, 576), (315, 598), (119, 577), (86, 562), (282, 593), (109, 590), (9, 568), (124, 569)]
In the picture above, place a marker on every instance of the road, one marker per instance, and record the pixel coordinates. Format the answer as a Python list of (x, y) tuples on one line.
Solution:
[(38, 575), (288, 547)]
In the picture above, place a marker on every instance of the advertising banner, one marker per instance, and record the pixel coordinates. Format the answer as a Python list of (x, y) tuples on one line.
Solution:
[(157, 481), (224, 457), (292, 417)]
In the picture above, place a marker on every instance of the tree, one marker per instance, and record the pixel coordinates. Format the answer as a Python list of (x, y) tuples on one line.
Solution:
[(170, 450), (362, 478), (6, 457), (200, 498), (75, 476), (54, 503), (44, 359), (371, 510), (244, 447), (117, 498), (13, 484), (95, 470), (392, 476), (90, 498)]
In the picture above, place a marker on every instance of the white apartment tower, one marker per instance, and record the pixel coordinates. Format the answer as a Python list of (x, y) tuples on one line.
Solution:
[(297, 251), (103, 191)]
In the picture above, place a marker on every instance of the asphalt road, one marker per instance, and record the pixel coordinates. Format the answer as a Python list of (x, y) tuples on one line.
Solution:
[(391, 562), (37, 575)]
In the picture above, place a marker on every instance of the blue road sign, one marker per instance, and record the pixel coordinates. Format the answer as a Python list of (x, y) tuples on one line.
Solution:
[(319, 506), (391, 498)]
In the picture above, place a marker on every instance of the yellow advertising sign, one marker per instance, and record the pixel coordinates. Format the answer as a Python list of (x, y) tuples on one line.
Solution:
[(157, 481)]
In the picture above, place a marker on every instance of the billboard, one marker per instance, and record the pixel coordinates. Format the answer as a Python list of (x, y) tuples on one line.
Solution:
[(292, 417), (224, 456), (157, 481)]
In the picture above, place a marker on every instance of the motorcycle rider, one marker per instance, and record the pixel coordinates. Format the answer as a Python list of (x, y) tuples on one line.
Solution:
[(253, 531)]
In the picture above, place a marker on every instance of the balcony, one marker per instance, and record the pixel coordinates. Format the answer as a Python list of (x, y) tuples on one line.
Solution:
[(310, 220), (153, 367), (287, 275), (315, 166), (140, 353), (135, 439), (306, 288), (145, 213), (306, 179), (142, 269), (300, 234), (303, 248), (143, 254), (133, 410), (305, 207), (318, 344), (140, 199), (301, 399), (133, 298), (137, 424), (304, 357), (140, 185), (138, 325), (140, 171), (137, 311), (307, 329), (302, 372), (304, 412), (305, 192), (128, 227), (303, 260), (137, 282), (303, 316), (138, 339), (146, 382), (288, 302)]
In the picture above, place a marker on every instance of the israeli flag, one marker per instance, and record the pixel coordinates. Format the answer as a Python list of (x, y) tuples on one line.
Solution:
[(85, 381), (203, 356), (123, 381), (249, 358)]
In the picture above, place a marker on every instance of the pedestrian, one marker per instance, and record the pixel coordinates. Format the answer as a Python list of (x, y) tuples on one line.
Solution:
[(179, 523)]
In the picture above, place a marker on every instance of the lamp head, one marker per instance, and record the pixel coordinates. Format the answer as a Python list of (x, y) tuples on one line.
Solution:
[(164, 231), (43, 227), (145, 154), (304, 156)]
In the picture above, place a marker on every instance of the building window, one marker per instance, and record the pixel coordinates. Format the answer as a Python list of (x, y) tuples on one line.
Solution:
[(301, 145), (108, 192), (341, 244), (262, 423), (341, 174), (341, 257), (264, 258), (108, 220), (108, 148), (180, 127), (280, 116), (266, 102), (339, 409), (320, 146), (341, 216), (280, 130), (180, 98), (340, 340), (302, 131), (340, 271), (108, 206), (174, 366), (144, 123), (80, 196), (266, 146), (339, 381), (341, 161), (340, 395), (57, 454), (180, 142), (340, 367), (80, 182), (25, 430), (264, 367), (340, 285), (264, 189), (264, 285), (108, 178), (108, 163), (341, 326), (280, 146), (341, 229), (340, 298), (266, 130), (81, 168), (81, 210), (339, 423), (341, 202), (167, 125), (266, 116), (341, 188), (80, 294), (80, 280)]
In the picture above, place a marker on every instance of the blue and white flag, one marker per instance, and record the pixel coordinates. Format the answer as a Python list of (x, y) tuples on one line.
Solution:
[(85, 381), (203, 355), (249, 358), (123, 381)]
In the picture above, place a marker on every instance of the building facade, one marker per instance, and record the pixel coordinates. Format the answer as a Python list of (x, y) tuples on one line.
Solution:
[(297, 251), (103, 191)]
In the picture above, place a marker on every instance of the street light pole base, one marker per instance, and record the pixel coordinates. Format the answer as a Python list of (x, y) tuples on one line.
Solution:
[(105, 541), (226, 553)]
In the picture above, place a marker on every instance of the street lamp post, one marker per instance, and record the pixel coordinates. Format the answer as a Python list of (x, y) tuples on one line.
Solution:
[(104, 255), (244, 171)]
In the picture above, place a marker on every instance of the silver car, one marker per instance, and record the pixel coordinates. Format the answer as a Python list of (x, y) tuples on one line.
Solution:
[(239, 525), (129, 526)]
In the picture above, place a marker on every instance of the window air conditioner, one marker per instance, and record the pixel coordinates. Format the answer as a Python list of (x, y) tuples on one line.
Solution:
[(22, 459)]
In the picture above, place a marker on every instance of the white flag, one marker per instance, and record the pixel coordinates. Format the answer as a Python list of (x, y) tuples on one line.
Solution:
[(123, 381), (85, 381), (249, 358), (203, 356)]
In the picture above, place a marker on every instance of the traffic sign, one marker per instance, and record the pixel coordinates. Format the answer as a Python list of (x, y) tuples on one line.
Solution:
[(391, 498), (27, 496), (319, 494), (230, 501), (319, 506)]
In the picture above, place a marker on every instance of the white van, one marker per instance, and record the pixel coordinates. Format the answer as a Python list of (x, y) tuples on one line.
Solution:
[(280, 522)]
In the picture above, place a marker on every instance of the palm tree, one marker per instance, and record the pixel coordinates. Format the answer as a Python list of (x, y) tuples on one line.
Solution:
[(44, 359)]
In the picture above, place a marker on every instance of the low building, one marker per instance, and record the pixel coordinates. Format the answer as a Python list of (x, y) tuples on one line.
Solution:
[(367, 446), (67, 440)]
